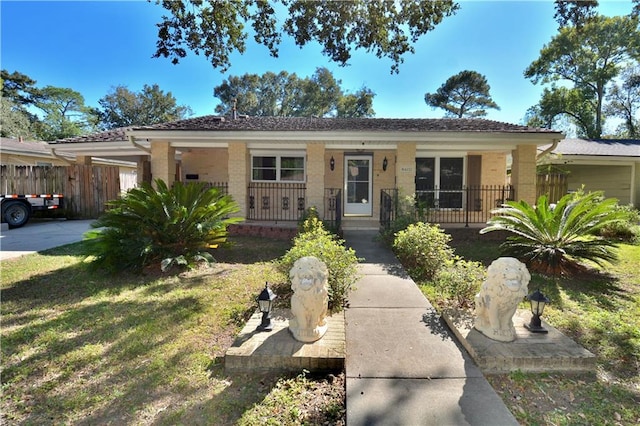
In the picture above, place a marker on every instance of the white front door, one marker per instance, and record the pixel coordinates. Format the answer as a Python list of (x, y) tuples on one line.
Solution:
[(357, 185)]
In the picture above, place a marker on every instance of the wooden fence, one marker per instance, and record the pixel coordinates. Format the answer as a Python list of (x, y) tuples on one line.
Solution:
[(555, 185), (86, 189)]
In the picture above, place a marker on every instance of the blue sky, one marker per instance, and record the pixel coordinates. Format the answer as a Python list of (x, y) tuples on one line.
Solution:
[(93, 46)]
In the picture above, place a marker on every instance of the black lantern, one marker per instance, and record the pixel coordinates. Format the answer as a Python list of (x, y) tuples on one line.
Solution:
[(265, 303), (332, 163), (385, 163), (538, 302)]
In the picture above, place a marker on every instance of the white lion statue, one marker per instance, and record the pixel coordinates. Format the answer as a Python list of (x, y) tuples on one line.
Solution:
[(309, 278), (505, 287)]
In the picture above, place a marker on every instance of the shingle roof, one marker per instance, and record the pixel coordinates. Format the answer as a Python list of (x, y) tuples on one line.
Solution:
[(291, 124), (599, 147), (244, 123)]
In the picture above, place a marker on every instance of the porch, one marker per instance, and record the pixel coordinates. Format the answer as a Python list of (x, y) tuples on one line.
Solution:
[(282, 205)]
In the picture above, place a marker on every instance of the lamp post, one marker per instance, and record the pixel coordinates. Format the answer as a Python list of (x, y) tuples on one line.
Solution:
[(265, 303), (538, 302)]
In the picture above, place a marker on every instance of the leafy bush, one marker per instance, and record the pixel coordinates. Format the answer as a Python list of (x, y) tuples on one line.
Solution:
[(408, 211), (555, 239), (170, 226), (459, 281), (626, 229), (422, 249), (341, 261)]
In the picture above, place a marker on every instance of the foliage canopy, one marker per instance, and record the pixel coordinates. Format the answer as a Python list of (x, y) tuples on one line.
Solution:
[(217, 28), (465, 94)]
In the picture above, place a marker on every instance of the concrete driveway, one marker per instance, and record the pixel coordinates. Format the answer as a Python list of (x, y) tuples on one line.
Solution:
[(38, 235)]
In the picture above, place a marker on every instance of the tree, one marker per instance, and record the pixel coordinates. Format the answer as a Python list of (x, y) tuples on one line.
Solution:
[(217, 28), (17, 96), (624, 100), (556, 239), (287, 95), (14, 123), (559, 103), (65, 114), (122, 107), (465, 94), (589, 58), (574, 12)]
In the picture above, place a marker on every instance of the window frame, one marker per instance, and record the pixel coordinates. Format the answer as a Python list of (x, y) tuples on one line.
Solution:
[(437, 177), (278, 155)]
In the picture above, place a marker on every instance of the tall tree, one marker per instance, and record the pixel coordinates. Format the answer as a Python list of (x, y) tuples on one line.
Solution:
[(559, 104), (624, 101), (465, 94), (217, 28), (589, 58), (17, 95), (122, 107), (65, 114), (287, 95), (14, 123), (574, 12)]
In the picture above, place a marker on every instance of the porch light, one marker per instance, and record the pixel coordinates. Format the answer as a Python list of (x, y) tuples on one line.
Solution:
[(265, 303), (538, 302), (385, 163), (332, 163)]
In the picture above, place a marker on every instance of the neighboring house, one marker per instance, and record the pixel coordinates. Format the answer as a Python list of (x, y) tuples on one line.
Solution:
[(609, 165), (348, 168), (38, 153)]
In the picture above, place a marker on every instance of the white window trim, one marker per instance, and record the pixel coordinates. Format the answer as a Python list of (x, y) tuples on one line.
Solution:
[(437, 184), (278, 155)]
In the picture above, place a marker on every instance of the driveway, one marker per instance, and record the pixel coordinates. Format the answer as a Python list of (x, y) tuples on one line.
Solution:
[(38, 235)]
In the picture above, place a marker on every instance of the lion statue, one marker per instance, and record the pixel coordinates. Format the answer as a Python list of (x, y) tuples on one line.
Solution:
[(309, 277), (497, 301)]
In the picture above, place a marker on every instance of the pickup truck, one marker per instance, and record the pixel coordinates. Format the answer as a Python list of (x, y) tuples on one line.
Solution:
[(17, 208)]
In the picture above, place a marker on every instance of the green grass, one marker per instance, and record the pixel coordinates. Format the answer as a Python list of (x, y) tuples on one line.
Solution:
[(80, 346), (601, 312)]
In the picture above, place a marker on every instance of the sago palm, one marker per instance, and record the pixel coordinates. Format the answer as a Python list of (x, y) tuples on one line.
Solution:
[(168, 225), (556, 239)]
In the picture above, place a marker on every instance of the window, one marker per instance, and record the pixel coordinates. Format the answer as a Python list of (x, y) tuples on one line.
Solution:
[(439, 181), (277, 168)]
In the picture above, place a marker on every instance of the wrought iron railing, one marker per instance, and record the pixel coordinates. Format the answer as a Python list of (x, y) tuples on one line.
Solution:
[(222, 186), (333, 207), (276, 201), (472, 204)]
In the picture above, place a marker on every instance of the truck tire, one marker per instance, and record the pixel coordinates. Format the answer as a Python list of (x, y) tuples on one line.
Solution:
[(15, 214)]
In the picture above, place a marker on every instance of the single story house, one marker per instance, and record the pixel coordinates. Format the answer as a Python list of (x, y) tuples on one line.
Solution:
[(350, 169), (609, 165)]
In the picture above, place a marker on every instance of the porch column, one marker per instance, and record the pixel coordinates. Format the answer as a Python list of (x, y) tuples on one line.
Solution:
[(163, 162), (523, 172), (315, 176), (238, 175), (406, 168)]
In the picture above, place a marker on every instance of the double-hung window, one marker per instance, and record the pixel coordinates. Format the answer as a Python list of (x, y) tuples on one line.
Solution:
[(286, 167), (439, 181)]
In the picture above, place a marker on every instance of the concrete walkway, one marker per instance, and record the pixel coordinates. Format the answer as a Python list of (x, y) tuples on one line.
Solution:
[(402, 364)]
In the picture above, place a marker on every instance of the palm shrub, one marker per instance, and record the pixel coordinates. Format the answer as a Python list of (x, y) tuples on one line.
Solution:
[(422, 249), (341, 262), (556, 239), (170, 226)]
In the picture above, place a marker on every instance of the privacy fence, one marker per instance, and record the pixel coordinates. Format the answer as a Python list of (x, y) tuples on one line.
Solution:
[(86, 189)]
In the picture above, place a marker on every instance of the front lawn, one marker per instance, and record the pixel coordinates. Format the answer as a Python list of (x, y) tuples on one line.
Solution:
[(84, 347)]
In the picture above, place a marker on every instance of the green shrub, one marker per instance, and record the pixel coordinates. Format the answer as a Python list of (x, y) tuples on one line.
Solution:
[(166, 226), (459, 281), (422, 249), (625, 229), (341, 261), (408, 211)]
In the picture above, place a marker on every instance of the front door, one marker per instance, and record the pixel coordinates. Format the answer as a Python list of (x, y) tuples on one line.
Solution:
[(357, 185)]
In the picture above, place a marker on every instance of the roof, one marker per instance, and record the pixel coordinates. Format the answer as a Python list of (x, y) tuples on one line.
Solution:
[(32, 148), (599, 147), (293, 124)]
